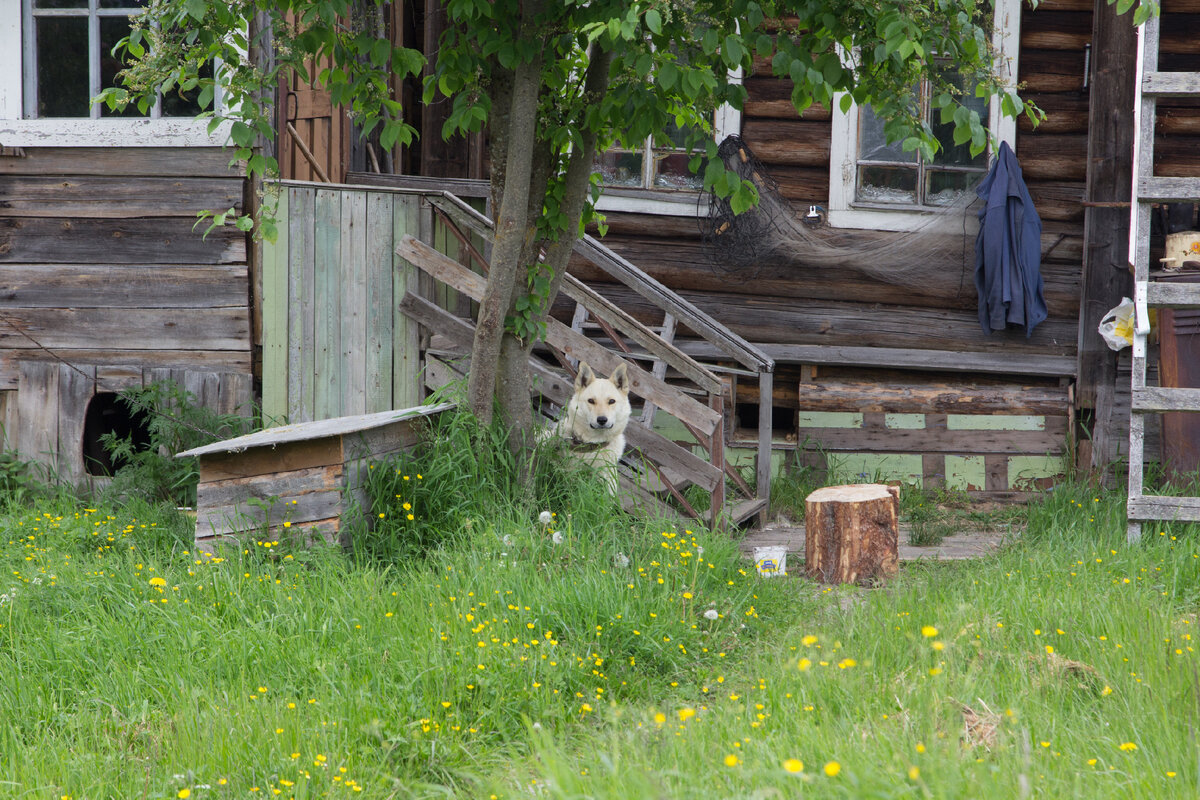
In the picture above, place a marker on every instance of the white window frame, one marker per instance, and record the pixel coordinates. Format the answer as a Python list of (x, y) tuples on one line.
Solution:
[(843, 211), (727, 120), (19, 130)]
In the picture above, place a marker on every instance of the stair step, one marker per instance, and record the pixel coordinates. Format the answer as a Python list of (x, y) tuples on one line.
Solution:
[(1168, 190), (1157, 399), (1173, 295), (1171, 84), (1153, 507), (739, 512)]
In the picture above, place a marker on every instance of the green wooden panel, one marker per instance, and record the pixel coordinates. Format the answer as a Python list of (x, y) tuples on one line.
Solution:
[(326, 345), (407, 387), (301, 280), (275, 318), (353, 315), (379, 301)]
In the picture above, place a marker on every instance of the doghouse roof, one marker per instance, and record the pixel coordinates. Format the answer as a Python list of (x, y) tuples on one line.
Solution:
[(304, 431)]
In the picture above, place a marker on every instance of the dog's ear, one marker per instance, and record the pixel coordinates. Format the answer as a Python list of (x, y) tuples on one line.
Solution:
[(620, 378), (584, 377)]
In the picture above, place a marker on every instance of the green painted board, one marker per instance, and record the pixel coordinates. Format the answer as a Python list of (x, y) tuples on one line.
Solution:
[(326, 343), (353, 316), (275, 319), (379, 302)]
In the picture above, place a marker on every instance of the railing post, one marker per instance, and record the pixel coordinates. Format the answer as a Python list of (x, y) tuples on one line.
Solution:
[(716, 401), (766, 382)]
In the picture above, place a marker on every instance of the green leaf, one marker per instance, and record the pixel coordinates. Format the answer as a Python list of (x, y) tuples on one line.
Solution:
[(196, 9), (244, 223), (845, 103), (668, 76), (654, 20)]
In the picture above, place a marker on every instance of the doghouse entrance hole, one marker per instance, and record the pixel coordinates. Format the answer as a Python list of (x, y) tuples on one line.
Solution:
[(107, 414)]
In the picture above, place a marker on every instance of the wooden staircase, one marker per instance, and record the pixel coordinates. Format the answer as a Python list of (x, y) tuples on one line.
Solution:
[(656, 470), (1147, 190)]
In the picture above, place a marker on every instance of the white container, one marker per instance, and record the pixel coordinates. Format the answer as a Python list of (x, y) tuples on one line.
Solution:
[(771, 560)]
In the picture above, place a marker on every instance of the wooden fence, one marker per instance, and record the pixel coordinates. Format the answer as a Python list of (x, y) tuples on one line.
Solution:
[(334, 341)]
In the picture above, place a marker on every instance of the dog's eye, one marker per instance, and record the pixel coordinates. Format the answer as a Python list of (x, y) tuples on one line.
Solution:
[(592, 400), (611, 401)]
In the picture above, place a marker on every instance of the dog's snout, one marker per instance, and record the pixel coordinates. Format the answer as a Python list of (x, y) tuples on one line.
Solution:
[(602, 421)]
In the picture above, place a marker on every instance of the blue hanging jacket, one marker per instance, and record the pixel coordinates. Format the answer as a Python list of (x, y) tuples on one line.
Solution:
[(1008, 250)]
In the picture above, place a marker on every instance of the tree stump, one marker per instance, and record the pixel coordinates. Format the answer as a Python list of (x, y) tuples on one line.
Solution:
[(851, 533)]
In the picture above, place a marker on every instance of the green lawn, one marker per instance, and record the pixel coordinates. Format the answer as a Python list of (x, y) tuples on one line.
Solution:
[(627, 660)]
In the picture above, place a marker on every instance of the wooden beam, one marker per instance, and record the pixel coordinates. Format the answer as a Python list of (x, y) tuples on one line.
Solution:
[(922, 398), (1111, 139)]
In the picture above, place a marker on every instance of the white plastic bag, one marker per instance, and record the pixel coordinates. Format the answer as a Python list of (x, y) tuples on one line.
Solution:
[(1117, 325)]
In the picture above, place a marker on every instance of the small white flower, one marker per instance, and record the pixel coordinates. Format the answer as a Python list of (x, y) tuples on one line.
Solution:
[(545, 518), (621, 560), (556, 537), (537, 726), (508, 540), (699, 550), (711, 614)]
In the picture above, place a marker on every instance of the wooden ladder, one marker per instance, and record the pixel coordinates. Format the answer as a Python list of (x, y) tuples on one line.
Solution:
[(1147, 190)]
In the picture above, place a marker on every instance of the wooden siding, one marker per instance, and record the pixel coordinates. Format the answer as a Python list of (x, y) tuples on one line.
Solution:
[(334, 341), (102, 260)]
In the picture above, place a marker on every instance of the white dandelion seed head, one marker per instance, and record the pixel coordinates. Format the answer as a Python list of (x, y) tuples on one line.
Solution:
[(711, 614), (537, 726), (556, 537), (545, 518), (621, 560), (508, 540)]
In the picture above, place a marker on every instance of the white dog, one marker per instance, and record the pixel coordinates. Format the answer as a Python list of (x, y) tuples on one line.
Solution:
[(594, 421)]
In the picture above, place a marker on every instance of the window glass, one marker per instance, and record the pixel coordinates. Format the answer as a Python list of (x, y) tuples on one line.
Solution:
[(62, 79), (113, 30)]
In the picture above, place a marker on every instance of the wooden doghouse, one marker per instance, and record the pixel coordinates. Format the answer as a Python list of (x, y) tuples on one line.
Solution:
[(302, 479)]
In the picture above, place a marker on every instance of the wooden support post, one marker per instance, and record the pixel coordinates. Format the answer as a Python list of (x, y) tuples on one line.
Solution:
[(717, 457), (933, 465), (765, 419), (851, 533)]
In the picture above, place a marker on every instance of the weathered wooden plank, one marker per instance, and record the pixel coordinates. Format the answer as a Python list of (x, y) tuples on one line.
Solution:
[(1175, 295), (568, 341), (796, 321), (1052, 70), (1060, 157), (1166, 190), (11, 421), (123, 286), (1156, 399), (1051, 441), (76, 387), (221, 360), (290, 484), (379, 310), (1171, 84), (147, 240), (37, 400), (352, 313), (116, 328), (129, 161), (91, 197), (407, 387), (1183, 509), (795, 142), (275, 312), (559, 390), (459, 187), (1055, 30), (996, 362), (302, 290), (326, 344), (247, 517), (920, 398)]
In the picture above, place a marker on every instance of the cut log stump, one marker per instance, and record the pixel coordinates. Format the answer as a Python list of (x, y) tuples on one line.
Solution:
[(851, 533)]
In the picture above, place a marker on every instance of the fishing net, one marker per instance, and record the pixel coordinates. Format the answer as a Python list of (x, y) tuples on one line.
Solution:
[(938, 248)]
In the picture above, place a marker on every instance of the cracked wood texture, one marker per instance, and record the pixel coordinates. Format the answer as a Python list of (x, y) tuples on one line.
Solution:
[(852, 533)]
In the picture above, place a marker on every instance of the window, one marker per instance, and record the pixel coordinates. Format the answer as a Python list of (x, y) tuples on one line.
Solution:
[(55, 55), (879, 186), (661, 184)]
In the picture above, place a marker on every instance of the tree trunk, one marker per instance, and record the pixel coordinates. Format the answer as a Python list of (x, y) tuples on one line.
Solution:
[(512, 239), (851, 533)]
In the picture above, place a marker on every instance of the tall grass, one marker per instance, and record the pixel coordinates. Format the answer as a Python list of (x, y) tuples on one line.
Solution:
[(484, 655)]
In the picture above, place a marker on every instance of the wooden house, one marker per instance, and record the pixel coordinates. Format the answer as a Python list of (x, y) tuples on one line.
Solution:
[(871, 366), (106, 279)]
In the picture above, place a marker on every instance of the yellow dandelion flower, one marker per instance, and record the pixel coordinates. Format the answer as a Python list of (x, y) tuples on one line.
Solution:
[(939, 646), (808, 641), (1129, 747), (158, 581), (803, 665), (660, 718), (410, 518), (832, 768), (407, 506), (793, 765), (183, 794), (686, 713), (920, 747), (929, 631), (732, 761), (1106, 691), (914, 773)]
